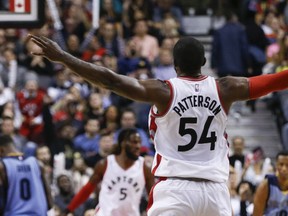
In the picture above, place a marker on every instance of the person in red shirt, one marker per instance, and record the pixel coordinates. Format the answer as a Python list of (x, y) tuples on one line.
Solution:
[(30, 100)]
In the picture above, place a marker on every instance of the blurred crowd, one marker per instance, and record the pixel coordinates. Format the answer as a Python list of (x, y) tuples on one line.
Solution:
[(69, 124)]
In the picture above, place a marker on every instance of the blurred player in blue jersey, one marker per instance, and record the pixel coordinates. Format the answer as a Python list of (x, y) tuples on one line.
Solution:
[(23, 190)]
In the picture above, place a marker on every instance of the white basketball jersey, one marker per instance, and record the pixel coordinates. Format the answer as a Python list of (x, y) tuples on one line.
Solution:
[(189, 138), (121, 190)]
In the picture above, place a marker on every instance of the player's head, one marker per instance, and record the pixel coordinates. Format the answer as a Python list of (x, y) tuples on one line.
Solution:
[(129, 142), (5, 142), (188, 54), (282, 164)]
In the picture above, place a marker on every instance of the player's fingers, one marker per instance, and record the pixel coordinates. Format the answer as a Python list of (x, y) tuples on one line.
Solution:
[(38, 43), (44, 39), (37, 53)]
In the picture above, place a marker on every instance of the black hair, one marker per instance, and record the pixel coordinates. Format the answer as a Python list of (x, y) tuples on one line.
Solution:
[(5, 140), (251, 186), (281, 153), (123, 135), (188, 54)]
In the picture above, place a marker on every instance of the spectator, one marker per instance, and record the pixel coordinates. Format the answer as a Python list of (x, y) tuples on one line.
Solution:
[(256, 166), (94, 51), (110, 122), (245, 205), (128, 63), (80, 172), (238, 145), (135, 10), (165, 69), (87, 143), (109, 39), (10, 109), (147, 45), (43, 154), (67, 109), (94, 108), (73, 45), (13, 74), (106, 143), (66, 194), (30, 100), (128, 120), (230, 49), (59, 85), (80, 86), (107, 12), (167, 8), (20, 142)]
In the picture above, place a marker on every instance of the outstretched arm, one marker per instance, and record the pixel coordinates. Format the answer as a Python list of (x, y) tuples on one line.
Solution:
[(241, 88), (150, 91)]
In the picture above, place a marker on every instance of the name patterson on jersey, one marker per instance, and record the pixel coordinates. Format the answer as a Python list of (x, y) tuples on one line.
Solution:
[(197, 101), (124, 179)]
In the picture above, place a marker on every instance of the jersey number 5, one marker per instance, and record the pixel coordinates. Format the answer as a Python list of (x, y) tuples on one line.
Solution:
[(204, 139)]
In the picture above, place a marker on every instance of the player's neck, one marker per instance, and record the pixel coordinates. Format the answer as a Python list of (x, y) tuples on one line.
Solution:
[(194, 75), (124, 162)]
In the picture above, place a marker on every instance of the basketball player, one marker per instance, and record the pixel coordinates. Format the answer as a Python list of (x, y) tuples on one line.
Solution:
[(271, 196), (123, 176), (187, 122), (23, 190)]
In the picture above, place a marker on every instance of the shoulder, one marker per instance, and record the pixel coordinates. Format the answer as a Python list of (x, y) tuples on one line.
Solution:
[(101, 165)]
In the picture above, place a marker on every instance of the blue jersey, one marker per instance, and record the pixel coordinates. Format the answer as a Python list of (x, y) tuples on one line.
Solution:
[(277, 202), (25, 194)]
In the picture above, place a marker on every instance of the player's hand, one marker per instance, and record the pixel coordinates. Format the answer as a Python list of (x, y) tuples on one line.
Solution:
[(49, 49)]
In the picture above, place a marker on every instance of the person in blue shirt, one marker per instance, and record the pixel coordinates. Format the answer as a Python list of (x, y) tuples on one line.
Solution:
[(23, 188)]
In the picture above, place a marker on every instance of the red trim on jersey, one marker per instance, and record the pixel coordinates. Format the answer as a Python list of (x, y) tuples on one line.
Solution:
[(169, 103), (158, 160), (152, 126), (219, 95), (97, 209), (150, 199), (202, 77)]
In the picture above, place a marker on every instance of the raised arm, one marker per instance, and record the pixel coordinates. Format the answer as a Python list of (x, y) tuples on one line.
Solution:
[(241, 88), (150, 91)]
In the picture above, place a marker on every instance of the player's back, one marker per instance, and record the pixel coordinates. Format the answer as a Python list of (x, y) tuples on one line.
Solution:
[(189, 138), (25, 194)]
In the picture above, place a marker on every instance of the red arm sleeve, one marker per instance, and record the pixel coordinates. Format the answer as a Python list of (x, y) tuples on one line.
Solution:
[(265, 84), (81, 196)]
